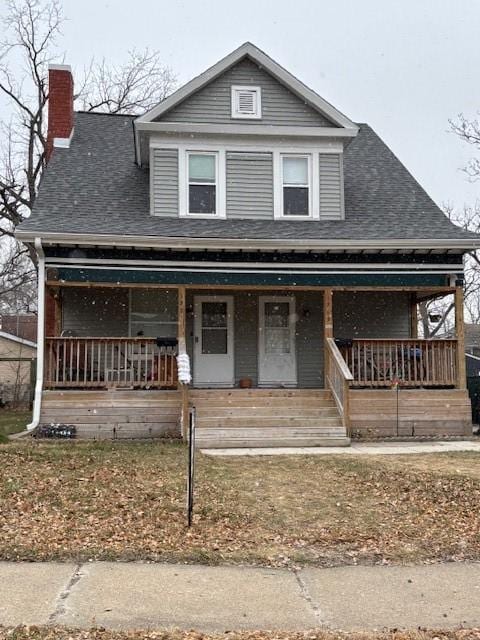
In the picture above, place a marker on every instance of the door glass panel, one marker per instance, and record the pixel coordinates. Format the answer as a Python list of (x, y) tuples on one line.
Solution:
[(214, 341), (277, 328), (214, 328), (214, 314), (276, 314)]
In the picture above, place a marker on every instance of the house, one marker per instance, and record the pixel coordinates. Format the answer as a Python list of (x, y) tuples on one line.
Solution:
[(249, 232), (23, 325), (17, 372), (472, 338)]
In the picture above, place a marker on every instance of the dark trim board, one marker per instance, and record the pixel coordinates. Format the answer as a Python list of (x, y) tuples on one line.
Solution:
[(274, 279), (314, 258)]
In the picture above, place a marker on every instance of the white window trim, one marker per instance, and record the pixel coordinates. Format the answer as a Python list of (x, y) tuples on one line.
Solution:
[(313, 184), (220, 182), (246, 116)]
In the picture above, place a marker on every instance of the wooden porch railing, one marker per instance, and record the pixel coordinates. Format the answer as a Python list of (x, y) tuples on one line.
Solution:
[(338, 377), (411, 363), (108, 362)]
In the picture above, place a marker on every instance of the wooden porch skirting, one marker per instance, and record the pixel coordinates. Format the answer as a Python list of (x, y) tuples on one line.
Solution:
[(421, 412), (100, 415), (118, 414)]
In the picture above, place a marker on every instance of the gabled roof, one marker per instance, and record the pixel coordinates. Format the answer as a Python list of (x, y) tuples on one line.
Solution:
[(12, 338), (95, 190), (249, 50)]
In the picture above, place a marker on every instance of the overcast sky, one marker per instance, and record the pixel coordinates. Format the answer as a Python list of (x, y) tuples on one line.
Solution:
[(403, 66)]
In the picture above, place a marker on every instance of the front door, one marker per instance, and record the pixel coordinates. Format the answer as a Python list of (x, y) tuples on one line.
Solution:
[(213, 341), (277, 361)]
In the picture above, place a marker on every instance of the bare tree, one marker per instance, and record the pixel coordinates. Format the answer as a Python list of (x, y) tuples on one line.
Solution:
[(17, 279), (32, 29), (134, 87), (468, 130), (436, 317)]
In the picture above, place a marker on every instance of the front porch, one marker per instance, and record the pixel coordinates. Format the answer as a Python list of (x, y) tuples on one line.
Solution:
[(330, 362)]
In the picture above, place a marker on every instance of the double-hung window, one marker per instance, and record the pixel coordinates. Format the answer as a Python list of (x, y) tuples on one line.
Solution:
[(296, 171), (202, 183)]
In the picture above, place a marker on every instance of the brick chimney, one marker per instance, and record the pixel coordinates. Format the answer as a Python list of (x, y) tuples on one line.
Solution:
[(60, 106)]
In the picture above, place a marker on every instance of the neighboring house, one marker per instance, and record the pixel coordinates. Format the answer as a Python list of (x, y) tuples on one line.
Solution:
[(17, 357), (23, 325), (246, 222), (473, 365), (472, 339), (472, 347)]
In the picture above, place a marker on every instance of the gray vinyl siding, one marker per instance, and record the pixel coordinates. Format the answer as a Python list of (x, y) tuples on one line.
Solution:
[(246, 337), (309, 339), (213, 103), (249, 185), (331, 185), (100, 313), (371, 314), (165, 182), (308, 336)]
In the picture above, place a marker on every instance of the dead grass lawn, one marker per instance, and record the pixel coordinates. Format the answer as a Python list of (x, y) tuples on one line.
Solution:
[(12, 422), (126, 501)]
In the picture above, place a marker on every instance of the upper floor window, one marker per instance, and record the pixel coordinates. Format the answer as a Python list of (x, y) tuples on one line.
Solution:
[(296, 185), (246, 102), (202, 183)]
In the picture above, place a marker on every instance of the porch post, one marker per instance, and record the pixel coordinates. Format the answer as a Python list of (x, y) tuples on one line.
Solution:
[(328, 313), (460, 335), (182, 348), (53, 311), (413, 317), (327, 324)]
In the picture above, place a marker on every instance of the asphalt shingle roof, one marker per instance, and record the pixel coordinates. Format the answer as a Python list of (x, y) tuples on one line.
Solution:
[(95, 187)]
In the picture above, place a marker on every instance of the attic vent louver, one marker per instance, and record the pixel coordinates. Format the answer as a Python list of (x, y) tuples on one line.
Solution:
[(246, 102)]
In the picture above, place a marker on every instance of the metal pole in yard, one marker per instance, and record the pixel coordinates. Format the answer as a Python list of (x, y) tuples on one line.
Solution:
[(398, 388), (191, 465)]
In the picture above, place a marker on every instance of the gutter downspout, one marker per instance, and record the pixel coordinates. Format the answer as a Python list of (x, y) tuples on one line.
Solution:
[(37, 401)]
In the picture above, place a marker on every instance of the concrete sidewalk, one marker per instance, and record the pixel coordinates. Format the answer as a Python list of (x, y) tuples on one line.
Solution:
[(141, 596), (355, 449)]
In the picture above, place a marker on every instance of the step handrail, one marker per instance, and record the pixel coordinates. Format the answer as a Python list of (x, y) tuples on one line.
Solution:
[(338, 377)]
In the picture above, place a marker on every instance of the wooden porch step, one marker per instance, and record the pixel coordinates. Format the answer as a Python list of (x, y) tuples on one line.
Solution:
[(268, 393), (263, 411), (237, 438), (267, 422), (267, 418), (282, 405)]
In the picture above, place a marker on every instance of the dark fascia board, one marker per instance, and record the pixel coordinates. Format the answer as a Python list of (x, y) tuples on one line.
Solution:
[(268, 244)]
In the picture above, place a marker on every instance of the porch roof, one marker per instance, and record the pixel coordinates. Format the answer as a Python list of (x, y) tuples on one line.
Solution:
[(95, 189)]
